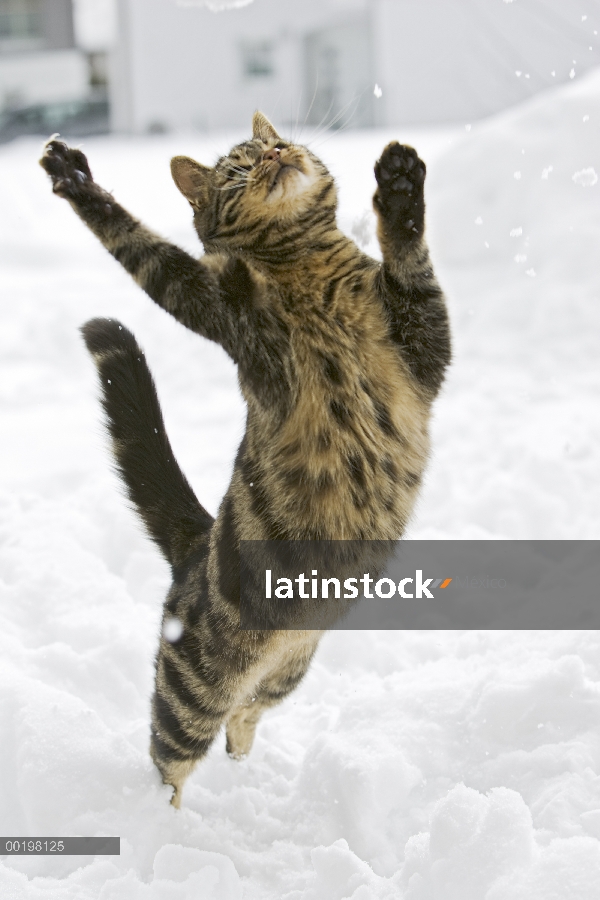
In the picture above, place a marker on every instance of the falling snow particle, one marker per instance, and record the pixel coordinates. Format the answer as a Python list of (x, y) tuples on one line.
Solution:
[(586, 118), (586, 177), (516, 232), (583, 18), (520, 258), (172, 629), (546, 172), (517, 176), (518, 74), (467, 127), (553, 74), (377, 91), (572, 73), (530, 272), (479, 220)]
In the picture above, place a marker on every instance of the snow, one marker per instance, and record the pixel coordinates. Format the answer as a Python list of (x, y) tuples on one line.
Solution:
[(415, 765), (586, 178)]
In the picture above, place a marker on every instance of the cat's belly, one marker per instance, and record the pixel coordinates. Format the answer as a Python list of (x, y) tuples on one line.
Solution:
[(343, 470)]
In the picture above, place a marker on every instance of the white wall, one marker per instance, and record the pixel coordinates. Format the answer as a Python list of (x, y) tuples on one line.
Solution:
[(95, 24), (179, 66)]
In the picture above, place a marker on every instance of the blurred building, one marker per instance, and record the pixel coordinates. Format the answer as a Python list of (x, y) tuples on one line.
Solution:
[(179, 65), (175, 64), (39, 62), (54, 66)]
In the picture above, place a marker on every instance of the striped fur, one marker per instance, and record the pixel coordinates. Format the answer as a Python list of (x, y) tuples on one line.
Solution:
[(339, 360)]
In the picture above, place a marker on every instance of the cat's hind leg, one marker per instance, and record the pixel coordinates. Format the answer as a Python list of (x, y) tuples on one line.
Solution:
[(270, 690), (241, 728), (175, 773), (177, 744), (181, 736)]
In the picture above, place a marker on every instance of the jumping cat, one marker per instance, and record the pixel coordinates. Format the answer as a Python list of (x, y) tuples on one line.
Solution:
[(339, 359)]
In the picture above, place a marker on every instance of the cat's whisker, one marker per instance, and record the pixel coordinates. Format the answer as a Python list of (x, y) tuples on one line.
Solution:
[(342, 112), (312, 103), (238, 169), (333, 133), (238, 178), (295, 129), (328, 126), (320, 127), (232, 187)]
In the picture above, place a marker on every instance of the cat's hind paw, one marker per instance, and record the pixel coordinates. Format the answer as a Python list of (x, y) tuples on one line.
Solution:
[(67, 167), (400, 177)]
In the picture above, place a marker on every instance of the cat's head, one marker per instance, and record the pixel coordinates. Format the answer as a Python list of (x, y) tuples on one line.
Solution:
[(263, 185)]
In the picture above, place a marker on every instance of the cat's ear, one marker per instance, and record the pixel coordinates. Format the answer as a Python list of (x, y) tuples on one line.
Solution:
[(193, 180), (262, 128)]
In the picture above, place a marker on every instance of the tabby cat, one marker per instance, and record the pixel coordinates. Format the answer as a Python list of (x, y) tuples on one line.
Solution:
[(339, 359)]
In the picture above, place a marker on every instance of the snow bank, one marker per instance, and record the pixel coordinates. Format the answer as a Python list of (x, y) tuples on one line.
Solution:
[(519, 257), (415, 765)]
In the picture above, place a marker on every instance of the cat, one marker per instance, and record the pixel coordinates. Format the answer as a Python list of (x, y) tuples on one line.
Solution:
[(339, 359)]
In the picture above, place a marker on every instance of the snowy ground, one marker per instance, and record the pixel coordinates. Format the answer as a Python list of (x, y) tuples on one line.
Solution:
[(422, 765)]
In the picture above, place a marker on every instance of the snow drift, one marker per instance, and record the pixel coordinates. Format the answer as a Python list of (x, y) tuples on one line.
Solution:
[(415, 765)]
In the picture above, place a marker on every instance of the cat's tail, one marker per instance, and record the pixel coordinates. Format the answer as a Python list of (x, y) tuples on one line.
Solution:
[(144, 460)]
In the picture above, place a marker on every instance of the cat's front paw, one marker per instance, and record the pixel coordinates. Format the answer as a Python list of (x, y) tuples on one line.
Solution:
[(400, 177), (67, 167)]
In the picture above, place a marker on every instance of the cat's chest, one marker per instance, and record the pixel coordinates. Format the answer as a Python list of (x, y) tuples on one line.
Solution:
[(352, 391), (355, 435), (343, 356)]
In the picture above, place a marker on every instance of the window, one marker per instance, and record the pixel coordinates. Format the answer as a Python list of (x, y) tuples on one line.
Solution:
[(257, 59), (20, 19)]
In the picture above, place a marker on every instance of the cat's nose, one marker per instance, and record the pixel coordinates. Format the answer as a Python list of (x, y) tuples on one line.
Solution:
[(272, 154)]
